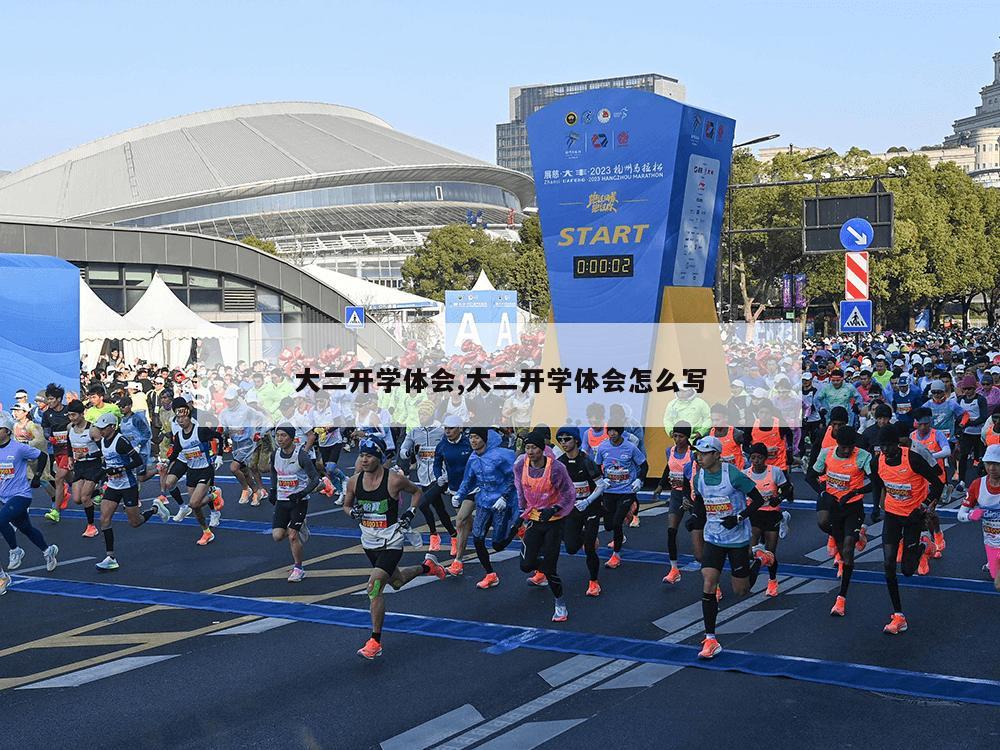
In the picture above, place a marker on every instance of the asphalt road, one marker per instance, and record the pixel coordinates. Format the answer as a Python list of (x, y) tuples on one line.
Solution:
[(96, 660)]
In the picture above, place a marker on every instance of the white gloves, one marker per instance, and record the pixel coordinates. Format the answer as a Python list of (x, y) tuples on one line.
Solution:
[(582, 503), (963, 513), (636, 485), (456, 502), (600, 485), (218, 462), (442, 480), (500, 505)]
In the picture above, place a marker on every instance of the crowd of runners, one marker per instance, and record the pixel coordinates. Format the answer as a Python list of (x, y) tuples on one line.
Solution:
[(908, 421)]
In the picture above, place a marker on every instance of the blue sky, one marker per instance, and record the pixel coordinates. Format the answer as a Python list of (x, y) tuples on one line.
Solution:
[(874, 74)]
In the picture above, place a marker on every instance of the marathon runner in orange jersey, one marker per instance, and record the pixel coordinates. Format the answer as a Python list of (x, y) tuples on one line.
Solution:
[(846, 472), (677, 477), (772, 436), (838, 418), (773, 485), (731, 438), (940, 449), (911, 487)]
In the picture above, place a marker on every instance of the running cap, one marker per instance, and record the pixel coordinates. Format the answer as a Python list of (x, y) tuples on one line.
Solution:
[(481, 432), (373, 446), (134, 386), (991, 456), (286, 428), (937, 385), (737, 383), (451, 420), (968, 382), (158, 380), (571, 430), (759, 393), (6, 421), (708, 444), (18, 407), (807, 375), (536, 438), (179, 403), (904, 379), (107, 419), (232, 392), (426, 408)]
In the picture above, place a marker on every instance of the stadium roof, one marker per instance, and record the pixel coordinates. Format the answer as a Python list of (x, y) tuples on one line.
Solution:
[(233, 152)]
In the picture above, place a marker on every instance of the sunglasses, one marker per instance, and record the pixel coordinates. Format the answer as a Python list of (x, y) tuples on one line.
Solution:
[(564, 438)]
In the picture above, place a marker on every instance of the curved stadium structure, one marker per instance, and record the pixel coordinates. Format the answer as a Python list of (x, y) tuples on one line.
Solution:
[(324, 182)]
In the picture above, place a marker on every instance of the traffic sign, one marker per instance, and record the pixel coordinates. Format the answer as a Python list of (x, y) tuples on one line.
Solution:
[(823, 220), (855, 276), (856, 234), (354, 317), (856, 316)]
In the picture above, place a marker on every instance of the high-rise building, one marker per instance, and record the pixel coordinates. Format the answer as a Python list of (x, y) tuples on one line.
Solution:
[(981, 132), (512, 138)]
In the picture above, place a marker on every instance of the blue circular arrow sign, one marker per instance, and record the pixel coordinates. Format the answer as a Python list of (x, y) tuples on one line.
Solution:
[(856, 234)]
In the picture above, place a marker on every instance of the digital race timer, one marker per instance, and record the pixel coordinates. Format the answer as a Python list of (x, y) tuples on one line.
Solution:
[(603, 266)]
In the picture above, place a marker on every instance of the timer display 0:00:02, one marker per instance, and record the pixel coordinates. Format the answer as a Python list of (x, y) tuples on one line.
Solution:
[(602, 266)]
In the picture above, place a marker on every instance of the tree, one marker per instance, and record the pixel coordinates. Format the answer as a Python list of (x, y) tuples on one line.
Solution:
[(265, 246)]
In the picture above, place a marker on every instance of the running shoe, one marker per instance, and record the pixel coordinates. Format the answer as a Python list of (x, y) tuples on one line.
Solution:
[(718, 593), (959, 492), (108, 563), (218, 501), (244, 497), (4, 582), (296, 575), (538, 579), (673, 576), (214, 518), (435, 543), (831, 546), (184, 512), (263, 494), (304, 532), (434, 568), (50, 557), (924, 566), (593, 589), (862, 542), (939, 545), (614, 561), (561, 614), (710, 648), (456, 568), (161, 510), (454, 546), (371, 650), (839, 607), (327, 488), (52, 515), (207, 537), (255, 498), (634, 523), (489, 581), (896, 625), (765, 556), (520, 532), (65, 497), (91, 531), (16, 555), (414, 539), (785, 523), (339, 500), (772, 587), (899, 553)]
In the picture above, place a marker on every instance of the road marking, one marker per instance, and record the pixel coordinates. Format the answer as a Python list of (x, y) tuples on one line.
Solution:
[(570, 669), (62, 563), (439, 728), (256, 626), (818, 586), (752, 621), (324, 512), (530, 735), (92, 674)]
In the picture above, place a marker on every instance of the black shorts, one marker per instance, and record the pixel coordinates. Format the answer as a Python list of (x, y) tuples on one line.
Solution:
[(676, 502), (715, 557), (846, 520), (129, 496), (289, 514), (200, 476), (385, 559), (177, 468), (330, 453), (901, 528), (88, 471), (766, 520)]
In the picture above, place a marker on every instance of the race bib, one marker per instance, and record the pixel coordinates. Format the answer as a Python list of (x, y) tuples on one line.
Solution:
[(772, 451), (903, 407), (80, 453), (618, 476), (677, 480), (582, 489), (192, 454), (425, 454), (288, 485), (61, 437), (718, 507), (898, 490), (6, 470), (837, 481)]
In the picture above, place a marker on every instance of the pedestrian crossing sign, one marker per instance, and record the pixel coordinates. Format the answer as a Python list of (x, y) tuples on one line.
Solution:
[(856, 316), (354, 317)]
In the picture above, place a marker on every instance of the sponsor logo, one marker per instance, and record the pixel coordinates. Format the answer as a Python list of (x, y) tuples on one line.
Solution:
[(603, 115), (588, 117), (696, 127), (624, 234), (622, 113), (603, 203), (710, 129), (571, 139), (571, 118), (719, 130), (622, 138), (599, 140), (574, 145)]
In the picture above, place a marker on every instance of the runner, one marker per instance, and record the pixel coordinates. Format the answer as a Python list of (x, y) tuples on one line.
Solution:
[(840, 510), (293, 477), (330, 442), (983, 504), (85, 463), (677, 476), (581, 527), (55, 426), (191, 458), (774, 486), (732, 439), (421, 444), (625, 468), (96, 394), (911, 487), (372, 499), (721, 492), (451, 456), (15, 497), (120, 461), (134, 427), (546, 496), (490, 468), (969, 444), (29, 432), (940, 449), (240, 423)]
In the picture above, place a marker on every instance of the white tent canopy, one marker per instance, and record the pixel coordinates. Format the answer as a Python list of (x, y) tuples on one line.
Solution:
[(160, 308), (98, 323)]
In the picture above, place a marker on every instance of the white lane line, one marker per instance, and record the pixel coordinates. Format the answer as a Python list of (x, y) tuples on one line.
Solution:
[(92, 674), (752, 621), (439, 728), (257, 626), (530, 735), (324, 512), (570, 669), (62, 563)]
